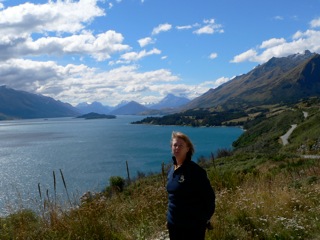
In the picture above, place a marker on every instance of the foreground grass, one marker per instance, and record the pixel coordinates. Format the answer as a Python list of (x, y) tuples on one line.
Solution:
[(271, 206), (273, 200)]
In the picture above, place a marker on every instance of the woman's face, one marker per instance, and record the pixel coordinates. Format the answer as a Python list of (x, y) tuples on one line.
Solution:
[(179, 149)]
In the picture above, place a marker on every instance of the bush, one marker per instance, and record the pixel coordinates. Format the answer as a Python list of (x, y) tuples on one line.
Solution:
[(117, 183)]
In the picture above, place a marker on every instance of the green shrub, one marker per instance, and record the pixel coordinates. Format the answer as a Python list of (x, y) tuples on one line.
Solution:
[(117, 183)]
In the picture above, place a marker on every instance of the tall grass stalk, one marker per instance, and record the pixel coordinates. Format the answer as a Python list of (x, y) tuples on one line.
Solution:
[(65, 187), (54, 188)]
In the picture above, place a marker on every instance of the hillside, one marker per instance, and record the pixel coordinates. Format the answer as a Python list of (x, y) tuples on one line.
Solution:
[(20, 104), (274, 86), (280, 80), (262, 134)]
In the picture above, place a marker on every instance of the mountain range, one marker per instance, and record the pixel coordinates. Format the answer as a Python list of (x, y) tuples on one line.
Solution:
[(283, 80), (16, 104), (132, 108)]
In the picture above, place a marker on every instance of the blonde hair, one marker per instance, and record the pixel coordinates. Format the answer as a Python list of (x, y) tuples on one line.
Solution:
[(186, 139)]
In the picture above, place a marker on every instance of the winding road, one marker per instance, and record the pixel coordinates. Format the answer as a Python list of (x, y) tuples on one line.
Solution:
[(286, 136)]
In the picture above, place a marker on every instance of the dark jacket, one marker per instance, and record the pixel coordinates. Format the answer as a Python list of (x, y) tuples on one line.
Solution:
[(191, 197)]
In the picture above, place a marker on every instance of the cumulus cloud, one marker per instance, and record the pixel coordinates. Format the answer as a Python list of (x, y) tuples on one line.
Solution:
[(161, 28), (301, 41), (78, 83), (209, 27), (272, 42), (221, 80), (19, 23), (100, 47), (249, 55), (135, 56), (60, 16), (145, 41), (315, 23)]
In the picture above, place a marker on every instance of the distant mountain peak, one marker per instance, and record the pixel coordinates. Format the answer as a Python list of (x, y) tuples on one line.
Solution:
[(95, 107), (170, 101), (131, 108)]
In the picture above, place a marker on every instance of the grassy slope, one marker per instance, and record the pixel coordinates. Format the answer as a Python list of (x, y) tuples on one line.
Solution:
[(264, 191)]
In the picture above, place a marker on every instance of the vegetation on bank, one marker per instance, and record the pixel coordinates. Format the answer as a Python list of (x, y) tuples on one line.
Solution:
[(93, 115), (196, 118), (264, 191)]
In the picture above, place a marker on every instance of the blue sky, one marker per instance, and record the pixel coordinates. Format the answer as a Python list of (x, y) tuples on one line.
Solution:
[(141, 50)]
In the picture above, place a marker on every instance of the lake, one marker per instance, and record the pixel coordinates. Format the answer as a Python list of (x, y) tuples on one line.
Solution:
[(88, 152)]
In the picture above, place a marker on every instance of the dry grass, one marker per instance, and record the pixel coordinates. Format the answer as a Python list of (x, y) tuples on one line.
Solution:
[(267, 205), (285, 206)]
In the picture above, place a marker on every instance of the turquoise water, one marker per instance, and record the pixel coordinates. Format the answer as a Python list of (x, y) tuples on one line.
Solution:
[(88, 152)]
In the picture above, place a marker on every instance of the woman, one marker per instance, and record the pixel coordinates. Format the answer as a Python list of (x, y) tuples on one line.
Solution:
[(191, 197)]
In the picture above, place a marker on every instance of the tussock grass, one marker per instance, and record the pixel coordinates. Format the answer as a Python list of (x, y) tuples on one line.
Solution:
[(269, 207), (278, 200)]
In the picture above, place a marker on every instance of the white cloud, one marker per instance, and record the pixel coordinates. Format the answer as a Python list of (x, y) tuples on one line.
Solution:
[(246, 56), (315, 23), (214, 83), (135, 88), (297, 35), (100, 47), (272, 42), (205, 30), (79, 83), (161, 28), (213, 55), (278, 18), (135, 56), (221, 80), (209, 27), (18, 25), (301, 41), (145, 41), (183, 27), (60, 16)]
